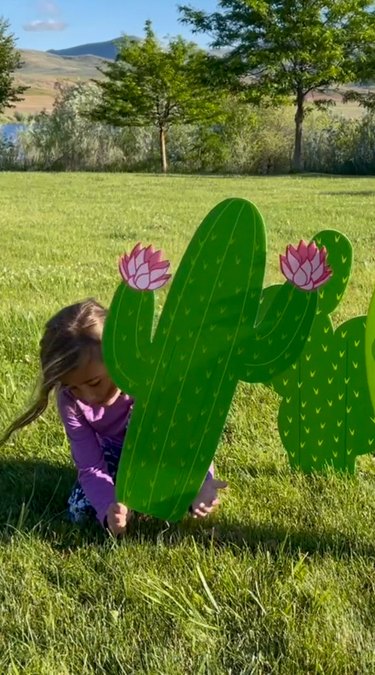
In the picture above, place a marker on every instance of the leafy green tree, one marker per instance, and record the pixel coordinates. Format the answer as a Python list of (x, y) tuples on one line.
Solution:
[(288, 48), (10, 61), (152, 85), (365, 97)]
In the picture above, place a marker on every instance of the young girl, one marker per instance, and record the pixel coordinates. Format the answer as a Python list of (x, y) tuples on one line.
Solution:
[(95, 414)]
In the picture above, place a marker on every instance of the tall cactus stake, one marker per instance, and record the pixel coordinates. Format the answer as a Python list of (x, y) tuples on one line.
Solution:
[(184, 376), (325, 417), (370, 350)]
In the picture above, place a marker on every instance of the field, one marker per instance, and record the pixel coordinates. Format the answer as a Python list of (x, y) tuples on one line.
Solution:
[(281, 579)]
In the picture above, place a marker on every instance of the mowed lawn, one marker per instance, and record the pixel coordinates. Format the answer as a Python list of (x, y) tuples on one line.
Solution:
[(281, 579)]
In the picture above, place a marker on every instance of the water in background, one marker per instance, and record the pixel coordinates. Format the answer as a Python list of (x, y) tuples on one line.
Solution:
[(9, 132)]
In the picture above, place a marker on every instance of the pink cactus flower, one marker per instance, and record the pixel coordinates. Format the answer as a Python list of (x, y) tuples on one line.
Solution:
[(143, 269), (305, 266)]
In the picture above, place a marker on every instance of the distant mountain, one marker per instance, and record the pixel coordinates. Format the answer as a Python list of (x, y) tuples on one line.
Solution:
[(43, 66), (104, 50)]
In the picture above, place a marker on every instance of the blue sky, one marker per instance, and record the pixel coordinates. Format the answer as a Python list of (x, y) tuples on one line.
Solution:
[(56, 24)]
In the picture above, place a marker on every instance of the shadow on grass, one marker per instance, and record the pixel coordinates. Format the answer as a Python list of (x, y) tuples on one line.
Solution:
[(33, 496), (33, 493), (292, 540), (330, 176), (350, 193)]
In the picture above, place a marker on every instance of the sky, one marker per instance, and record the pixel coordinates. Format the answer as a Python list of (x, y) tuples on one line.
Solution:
[(58, 24)]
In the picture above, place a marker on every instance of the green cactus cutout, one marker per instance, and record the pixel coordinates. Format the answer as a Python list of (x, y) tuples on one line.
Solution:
[(325, 417), (207, 339), (370, 350)]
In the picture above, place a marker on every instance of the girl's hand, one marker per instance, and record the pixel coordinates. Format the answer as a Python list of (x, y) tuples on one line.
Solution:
[(207, 499), (118, 516)]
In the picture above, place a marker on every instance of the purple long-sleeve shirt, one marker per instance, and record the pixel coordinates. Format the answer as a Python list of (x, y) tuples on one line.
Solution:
[(87, 426)]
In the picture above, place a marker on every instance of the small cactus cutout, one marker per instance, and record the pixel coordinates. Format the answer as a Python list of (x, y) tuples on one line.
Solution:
[(370, 351), (325, 416), (208, 337)]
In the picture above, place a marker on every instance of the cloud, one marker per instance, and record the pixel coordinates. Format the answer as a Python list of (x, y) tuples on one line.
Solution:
[(49, 24)]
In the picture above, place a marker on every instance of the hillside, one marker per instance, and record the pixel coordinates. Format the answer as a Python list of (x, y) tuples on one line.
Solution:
[(40, 72), (47, 66)]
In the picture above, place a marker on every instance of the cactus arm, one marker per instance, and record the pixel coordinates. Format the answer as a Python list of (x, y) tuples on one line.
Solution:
[(358, 427), (268, 296), (370, 350), (280, 336), (340, 255), (302, 417), (127, 337), (280, 342)]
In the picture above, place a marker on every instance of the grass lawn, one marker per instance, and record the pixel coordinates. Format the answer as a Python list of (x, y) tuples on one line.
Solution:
[(281, 579)]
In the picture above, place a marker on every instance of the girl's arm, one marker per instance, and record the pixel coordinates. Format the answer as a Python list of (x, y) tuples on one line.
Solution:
[(88, 457)]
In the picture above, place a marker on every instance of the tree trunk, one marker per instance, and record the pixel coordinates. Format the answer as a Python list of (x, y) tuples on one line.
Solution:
[(298, 118), (163, 150)]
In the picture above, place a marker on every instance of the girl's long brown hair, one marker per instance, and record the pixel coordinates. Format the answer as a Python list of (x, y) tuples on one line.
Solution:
[(68, 338)]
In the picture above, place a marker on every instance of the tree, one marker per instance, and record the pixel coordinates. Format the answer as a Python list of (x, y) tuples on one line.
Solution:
[(288, 48), (148, 85), (10, 61)]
